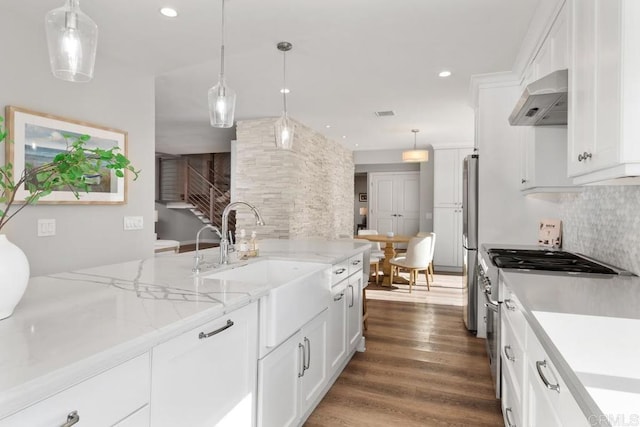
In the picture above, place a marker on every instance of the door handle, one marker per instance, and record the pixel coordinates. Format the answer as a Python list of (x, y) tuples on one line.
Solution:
[(352, 296), (217, 331), (547, 384), (72, 419), (301, 347), (308, 351)]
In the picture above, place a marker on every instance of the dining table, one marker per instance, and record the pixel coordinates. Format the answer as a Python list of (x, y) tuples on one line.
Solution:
[(389, 253)]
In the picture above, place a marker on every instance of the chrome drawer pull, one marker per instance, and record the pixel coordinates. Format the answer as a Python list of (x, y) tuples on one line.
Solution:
[(217, 331), (308, 351), (340, 271), (509, 304), (72, 419), (356, 262), (547, 384), (352, 296), (507, 414), (507, 350), (338, 297), (301, 374)]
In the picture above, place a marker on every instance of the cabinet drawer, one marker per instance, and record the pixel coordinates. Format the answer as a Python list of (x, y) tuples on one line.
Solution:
[(545, 376), (103, 400), (355, 264), (511, 403), (513, 357), (339, 271), (511, 309)]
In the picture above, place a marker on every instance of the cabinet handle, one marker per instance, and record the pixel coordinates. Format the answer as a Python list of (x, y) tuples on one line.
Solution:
[(507, 414), (340, 271), (72, 419), (522, 181), (338, 297), (301, 347), (584, 156), (399, 215), (352, 296), (547, 384), (509, 304), (307, 344), (217, 331), (507, 350), (356, 262)]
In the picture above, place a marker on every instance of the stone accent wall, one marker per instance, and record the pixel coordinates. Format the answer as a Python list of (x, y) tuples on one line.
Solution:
[(604, 222), (303, 193)]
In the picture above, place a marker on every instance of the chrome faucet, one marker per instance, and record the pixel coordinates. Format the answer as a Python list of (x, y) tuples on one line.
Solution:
[(224, 239), (197, 258)]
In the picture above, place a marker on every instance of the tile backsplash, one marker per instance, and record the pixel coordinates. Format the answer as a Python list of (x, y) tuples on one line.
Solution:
[(604, 222)]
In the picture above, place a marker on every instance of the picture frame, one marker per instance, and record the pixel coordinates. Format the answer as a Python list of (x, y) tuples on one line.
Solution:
[(362, 197), (35, 138)]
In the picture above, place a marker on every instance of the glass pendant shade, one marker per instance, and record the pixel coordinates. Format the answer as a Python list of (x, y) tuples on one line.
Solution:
[(222, 105), (72, 38), (285, 130)]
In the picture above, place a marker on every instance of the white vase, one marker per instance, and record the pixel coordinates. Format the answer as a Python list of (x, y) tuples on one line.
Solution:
[(14, 276)]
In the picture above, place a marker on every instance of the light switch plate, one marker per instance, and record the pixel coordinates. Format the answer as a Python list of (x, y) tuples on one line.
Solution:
[(133, 223), (46, 227)]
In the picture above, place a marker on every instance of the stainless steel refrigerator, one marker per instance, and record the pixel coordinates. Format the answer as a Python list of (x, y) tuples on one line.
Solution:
[(470, 240)]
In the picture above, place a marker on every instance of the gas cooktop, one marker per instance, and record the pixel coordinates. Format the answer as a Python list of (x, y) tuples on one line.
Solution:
[(547, 260)]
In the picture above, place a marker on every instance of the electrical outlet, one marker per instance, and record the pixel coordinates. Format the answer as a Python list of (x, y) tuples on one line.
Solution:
[(133, 223), (46, 227)]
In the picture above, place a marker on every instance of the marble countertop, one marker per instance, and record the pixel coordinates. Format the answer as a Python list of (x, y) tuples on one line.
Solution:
[(589, 325), (73, 325)]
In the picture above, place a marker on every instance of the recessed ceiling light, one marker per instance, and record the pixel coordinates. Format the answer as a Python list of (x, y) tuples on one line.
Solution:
[(356, 145), (344, 136), (169, 12), (327, 126), (285, 90), (445, 73)]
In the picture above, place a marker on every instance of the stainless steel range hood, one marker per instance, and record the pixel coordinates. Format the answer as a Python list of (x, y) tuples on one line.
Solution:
[(543, 102)]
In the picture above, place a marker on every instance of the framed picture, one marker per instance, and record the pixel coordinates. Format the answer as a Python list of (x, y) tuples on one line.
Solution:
[(35, 139), (362, 197)]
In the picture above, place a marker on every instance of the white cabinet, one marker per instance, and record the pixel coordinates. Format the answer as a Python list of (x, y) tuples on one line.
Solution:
[(354, 311), (104, 400), (447, 176), (337, 328), (447, 224), (447, 202), (394, 202), (207, 376), (292, 376), (604, 94)]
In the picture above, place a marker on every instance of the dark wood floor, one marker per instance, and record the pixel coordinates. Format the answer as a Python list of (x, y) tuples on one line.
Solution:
[(421, 368)]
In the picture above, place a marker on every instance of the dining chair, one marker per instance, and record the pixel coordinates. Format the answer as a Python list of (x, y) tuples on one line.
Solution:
[(376, 250), (417, 258)]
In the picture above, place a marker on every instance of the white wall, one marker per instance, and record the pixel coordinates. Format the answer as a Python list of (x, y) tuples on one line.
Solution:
[(505, 215), (87, 235)]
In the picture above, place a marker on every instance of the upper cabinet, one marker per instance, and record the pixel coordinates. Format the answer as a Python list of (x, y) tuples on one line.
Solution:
[(604, 90), (447, 181)]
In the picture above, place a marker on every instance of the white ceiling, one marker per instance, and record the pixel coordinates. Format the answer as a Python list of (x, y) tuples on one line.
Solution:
[(350, 58)]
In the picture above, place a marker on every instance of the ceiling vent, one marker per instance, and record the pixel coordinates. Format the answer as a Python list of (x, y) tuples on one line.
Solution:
[(385, 113)]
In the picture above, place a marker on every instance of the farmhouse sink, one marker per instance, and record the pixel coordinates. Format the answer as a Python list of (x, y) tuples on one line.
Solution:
[(299, 291)]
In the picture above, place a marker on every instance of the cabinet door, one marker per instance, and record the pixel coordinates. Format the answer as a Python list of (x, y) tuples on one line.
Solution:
[(445, 178), (447, 224), (539, 412), (314, 378), (278, 378), (337, 327), (207, 376), (354, 311)]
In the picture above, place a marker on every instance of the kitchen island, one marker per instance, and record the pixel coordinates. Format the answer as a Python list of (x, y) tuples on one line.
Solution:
[(70, 327), (579, 347)]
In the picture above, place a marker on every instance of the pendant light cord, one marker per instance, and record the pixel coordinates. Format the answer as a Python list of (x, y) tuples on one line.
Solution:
[(284, 80), (222, 42)]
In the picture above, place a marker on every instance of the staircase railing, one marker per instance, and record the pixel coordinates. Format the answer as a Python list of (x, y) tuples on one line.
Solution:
[(206, 197)]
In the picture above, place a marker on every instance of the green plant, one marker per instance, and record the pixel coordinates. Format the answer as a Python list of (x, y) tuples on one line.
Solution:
[(69, 170)]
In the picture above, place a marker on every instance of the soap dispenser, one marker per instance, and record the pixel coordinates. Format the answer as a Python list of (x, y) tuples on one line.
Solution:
[(253, 244)]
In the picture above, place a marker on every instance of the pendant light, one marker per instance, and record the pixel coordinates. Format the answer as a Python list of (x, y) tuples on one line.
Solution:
[(284, 127), (222, 99), (72, 38), (415, 155)]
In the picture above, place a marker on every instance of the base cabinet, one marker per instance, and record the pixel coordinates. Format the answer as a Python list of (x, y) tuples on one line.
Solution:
[(354, 311), (293, 375), (337, 327), (207, 376), (447, 224), (113, 397)]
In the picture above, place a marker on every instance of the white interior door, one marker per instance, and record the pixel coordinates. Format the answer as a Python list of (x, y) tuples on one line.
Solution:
[(394, 203)]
